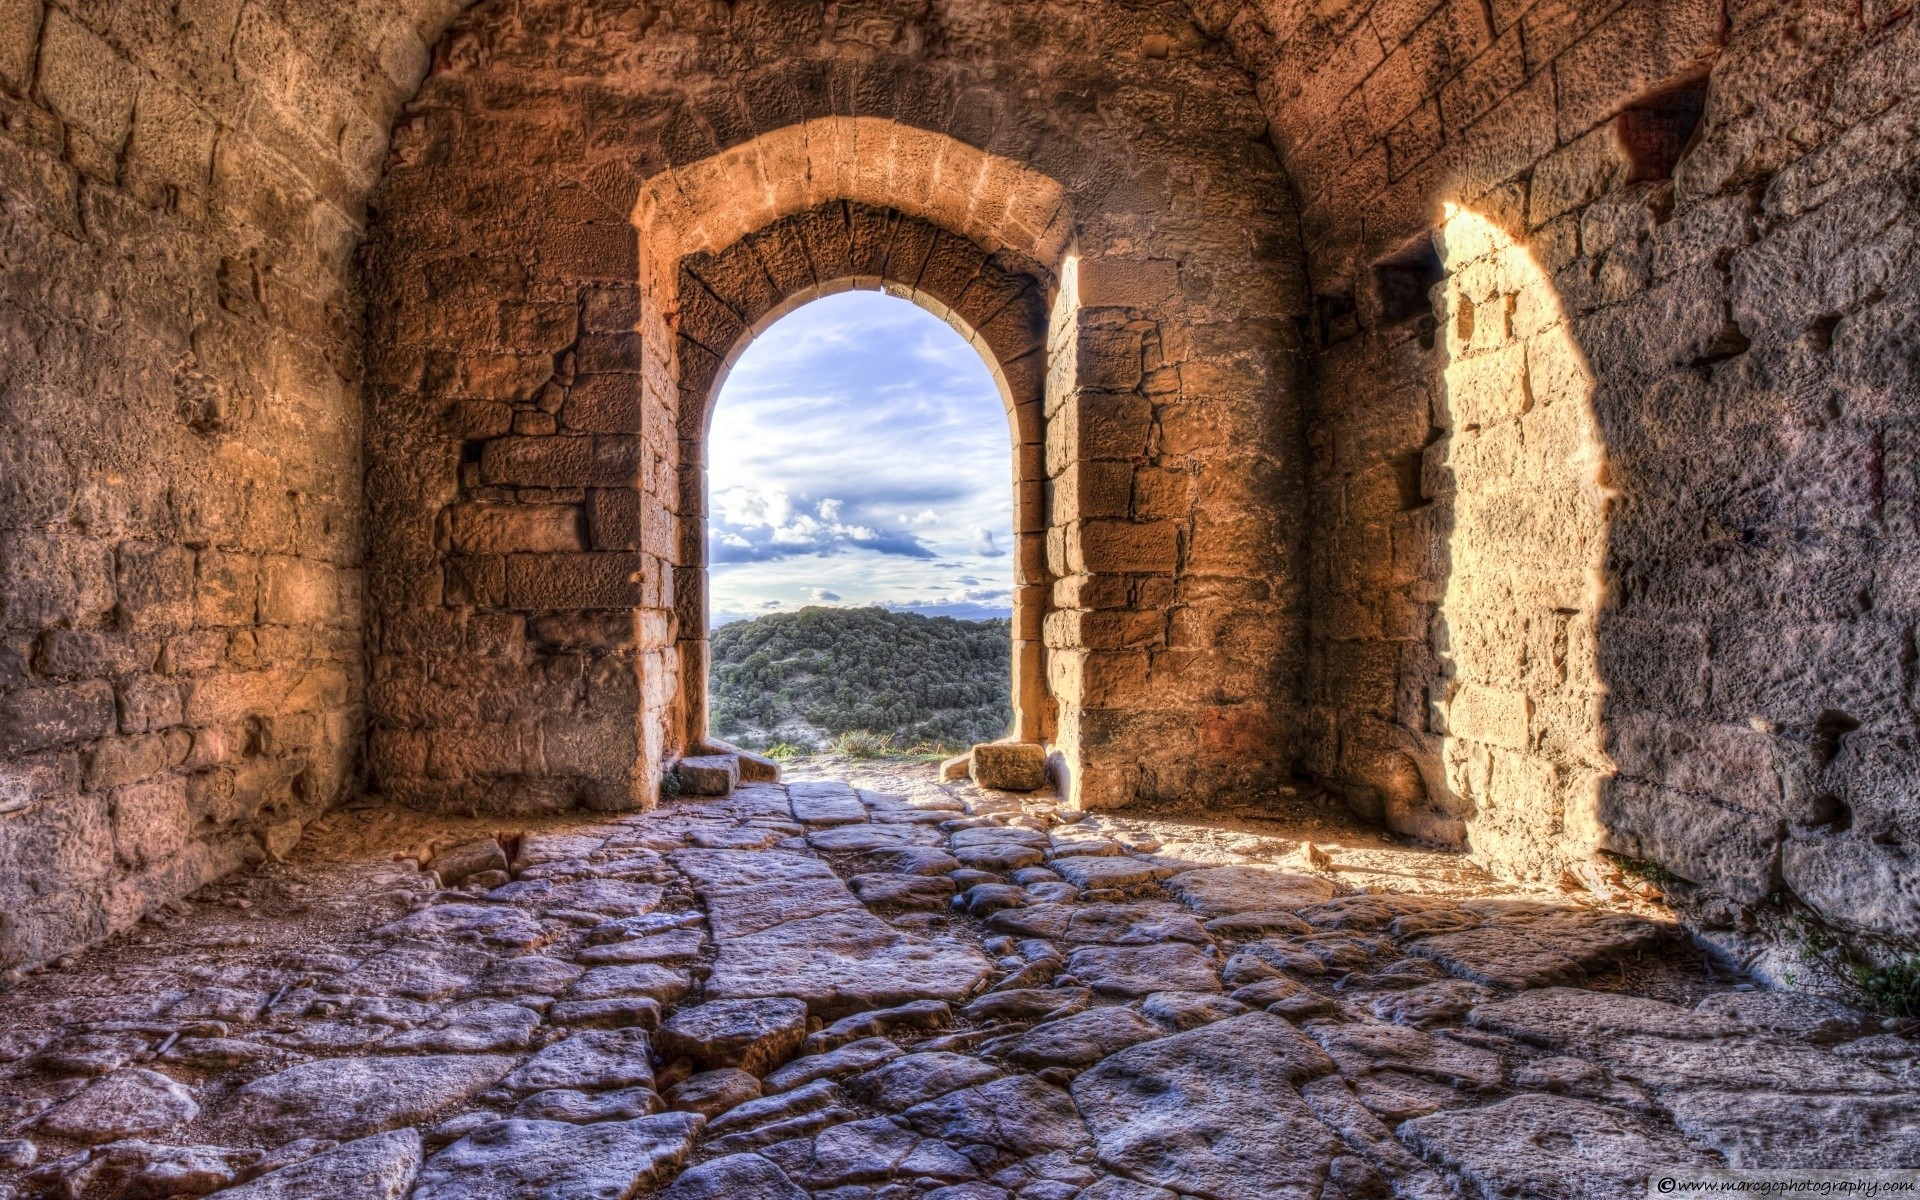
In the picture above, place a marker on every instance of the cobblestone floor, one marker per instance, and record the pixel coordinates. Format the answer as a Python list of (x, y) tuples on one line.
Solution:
[(777, 995)]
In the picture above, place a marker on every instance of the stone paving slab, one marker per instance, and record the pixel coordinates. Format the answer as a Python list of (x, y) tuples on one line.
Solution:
[(724, 999)]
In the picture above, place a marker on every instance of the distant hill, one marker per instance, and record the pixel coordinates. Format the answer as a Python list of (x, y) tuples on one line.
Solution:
[(807, 676)]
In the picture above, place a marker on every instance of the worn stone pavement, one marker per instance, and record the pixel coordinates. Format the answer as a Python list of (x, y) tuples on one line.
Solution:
[(777, 996)]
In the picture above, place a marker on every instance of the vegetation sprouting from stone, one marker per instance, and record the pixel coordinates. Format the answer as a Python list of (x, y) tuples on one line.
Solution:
[(863, 676)]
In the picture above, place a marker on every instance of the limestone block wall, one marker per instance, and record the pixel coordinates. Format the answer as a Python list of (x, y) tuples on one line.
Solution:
[(181, 191), (1616, 312), (525, 368)]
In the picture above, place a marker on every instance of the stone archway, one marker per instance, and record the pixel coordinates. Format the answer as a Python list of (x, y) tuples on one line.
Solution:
[(528, 425), (997, 302)]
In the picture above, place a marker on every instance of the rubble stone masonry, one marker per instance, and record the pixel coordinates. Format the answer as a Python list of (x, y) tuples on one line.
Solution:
[(182, 188)]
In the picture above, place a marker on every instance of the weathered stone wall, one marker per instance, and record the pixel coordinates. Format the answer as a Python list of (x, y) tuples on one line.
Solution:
[(181, 190), (1612, 320), (1613, 540), (524, 362)]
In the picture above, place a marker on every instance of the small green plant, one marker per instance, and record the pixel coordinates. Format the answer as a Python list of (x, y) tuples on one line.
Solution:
[(670, 786), (784, 751), (1647, 870), (861, 743), (1893, 989)]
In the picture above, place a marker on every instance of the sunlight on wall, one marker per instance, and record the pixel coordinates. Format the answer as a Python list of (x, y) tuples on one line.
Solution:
[(1522, 709)]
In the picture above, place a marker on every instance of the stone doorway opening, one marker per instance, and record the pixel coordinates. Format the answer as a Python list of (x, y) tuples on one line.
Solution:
[(857, 491)]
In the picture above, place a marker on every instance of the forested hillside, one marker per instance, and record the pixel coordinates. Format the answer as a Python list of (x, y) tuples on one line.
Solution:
[(804, 677)]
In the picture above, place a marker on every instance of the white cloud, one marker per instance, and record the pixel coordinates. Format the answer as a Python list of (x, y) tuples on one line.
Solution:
[(862, 434), (823, 595), (983, 542)]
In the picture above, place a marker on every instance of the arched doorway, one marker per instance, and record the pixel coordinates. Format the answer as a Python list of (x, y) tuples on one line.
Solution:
[(997, 303), (859, 525)]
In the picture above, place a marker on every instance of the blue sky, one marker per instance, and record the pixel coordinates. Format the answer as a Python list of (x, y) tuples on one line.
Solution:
[(859, 455)]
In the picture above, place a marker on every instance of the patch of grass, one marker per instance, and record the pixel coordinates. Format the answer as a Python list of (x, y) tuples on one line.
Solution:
[(1893, 989), (784, 751), (1646, 870), (861, 743), (670, 786)]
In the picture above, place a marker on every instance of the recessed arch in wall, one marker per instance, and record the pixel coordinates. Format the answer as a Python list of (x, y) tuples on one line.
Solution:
[(998, 302)]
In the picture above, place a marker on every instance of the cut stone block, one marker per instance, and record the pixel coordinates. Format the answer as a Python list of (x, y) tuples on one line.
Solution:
[(1010, 766), (709, 775)]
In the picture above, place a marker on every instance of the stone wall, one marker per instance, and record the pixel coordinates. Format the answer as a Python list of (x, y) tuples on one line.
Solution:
[(523, 358), (1613, 433), (1591, 530), (181, 191)]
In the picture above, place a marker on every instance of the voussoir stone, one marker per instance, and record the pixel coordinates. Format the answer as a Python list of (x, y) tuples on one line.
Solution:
[(515, 1159), (1213, 1112), (352, 1097), (753, 1035)]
